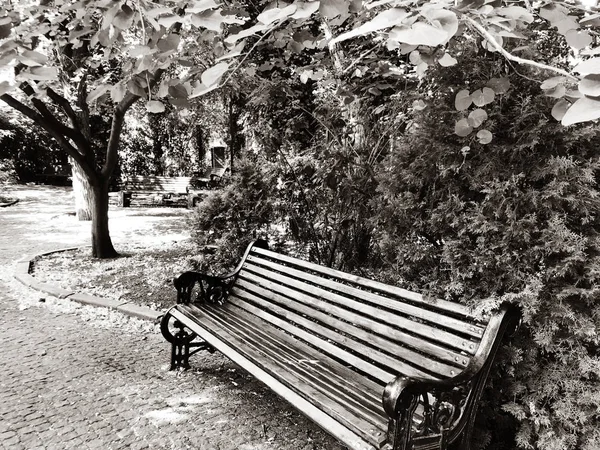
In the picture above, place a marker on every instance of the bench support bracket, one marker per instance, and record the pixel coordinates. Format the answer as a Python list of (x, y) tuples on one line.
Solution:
[(182, 345)]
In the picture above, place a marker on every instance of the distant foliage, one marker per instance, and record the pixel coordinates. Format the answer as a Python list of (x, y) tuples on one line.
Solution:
[(28, 151), (232, 217)]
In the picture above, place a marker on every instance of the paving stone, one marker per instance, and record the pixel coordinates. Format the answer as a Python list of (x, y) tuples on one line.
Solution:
[(108, 384)]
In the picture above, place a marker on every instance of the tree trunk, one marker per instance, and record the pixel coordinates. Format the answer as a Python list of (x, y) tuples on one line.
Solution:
[(102, 246), (83, 192)]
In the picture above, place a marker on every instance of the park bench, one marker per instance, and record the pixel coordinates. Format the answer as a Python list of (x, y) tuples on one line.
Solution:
[(376, 366), (201, 183), (154, 190)]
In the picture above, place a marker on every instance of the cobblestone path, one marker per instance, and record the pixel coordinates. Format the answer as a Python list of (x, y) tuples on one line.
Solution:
[(83, 377)]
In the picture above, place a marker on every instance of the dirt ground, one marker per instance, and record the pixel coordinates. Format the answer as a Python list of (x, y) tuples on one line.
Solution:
[(154, 244)]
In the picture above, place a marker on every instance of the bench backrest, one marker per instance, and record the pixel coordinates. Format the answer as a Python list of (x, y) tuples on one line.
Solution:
[(176, 185), (379, 330)]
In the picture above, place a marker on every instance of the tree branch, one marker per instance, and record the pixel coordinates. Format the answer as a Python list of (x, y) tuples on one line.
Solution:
[(48, 125), (63, 103), (71, 133), (488, 37), (115, 133)]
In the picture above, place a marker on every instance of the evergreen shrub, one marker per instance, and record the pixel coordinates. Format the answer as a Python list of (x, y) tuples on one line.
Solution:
[(232, 217), (515, 220)]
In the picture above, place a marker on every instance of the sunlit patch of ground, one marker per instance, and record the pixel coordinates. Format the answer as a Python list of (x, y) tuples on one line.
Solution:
[(154, 243)]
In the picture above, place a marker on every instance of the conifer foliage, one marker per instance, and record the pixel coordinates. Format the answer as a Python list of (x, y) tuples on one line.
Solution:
[(515, 221)]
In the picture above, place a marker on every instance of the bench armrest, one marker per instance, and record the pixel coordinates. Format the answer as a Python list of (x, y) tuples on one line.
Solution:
[(399, 394), (212, 288)]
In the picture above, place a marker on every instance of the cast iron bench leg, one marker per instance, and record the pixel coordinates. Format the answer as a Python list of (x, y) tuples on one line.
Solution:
[(181, 342)]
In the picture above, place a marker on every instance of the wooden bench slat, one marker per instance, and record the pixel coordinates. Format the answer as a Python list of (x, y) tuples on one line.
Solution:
[(407, 361), (321, 344), (328, 423), (289, 378), (368, 355), (343, 394), (443, 338), (442, 305), (363, 391), (433, 317)]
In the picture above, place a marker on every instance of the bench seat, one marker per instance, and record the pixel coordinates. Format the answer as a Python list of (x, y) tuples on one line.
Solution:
[(376, 366)]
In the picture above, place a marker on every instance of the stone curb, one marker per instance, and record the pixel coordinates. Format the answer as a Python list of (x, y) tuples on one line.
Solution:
[(130, 309)]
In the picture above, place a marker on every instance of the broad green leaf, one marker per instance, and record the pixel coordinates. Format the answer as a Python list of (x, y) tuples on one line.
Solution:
[(499, 85), (551, 83), (140, 50), (462, 128), (447, 60), (482, 97), (199, 6), (178, 91), (484, 136), (234, 52), (168, 20), (76, 34), (443, 18), (489, 47), (155, 12), (211, 20), (515, 13), (386, 19), (8, 57), (477, 117), (567, 24), (553, 12), (573, 94), (415, 57), (5, 30), (334, 8), (583, 110), (134, 87), (305, 9), (5, 87), (419, 33), (560, 108), (41, 73), (203, 90), (169, 43), (117, 92), (275, 14), (98, 92), (462, 100), (556, 92), (233, 38), (155, 106), (212, 77), (124, 18), (588, 66), (578, 39), (590, 85), (33, 58)]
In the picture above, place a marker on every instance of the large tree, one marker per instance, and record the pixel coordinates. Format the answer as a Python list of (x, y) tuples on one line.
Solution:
[(70, 57)]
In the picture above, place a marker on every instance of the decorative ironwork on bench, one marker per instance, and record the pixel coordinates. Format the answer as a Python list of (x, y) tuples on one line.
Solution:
[(213, 289), (182, 342)]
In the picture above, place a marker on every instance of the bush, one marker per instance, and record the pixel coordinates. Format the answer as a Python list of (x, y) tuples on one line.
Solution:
[(516, 220), (232, 217)]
